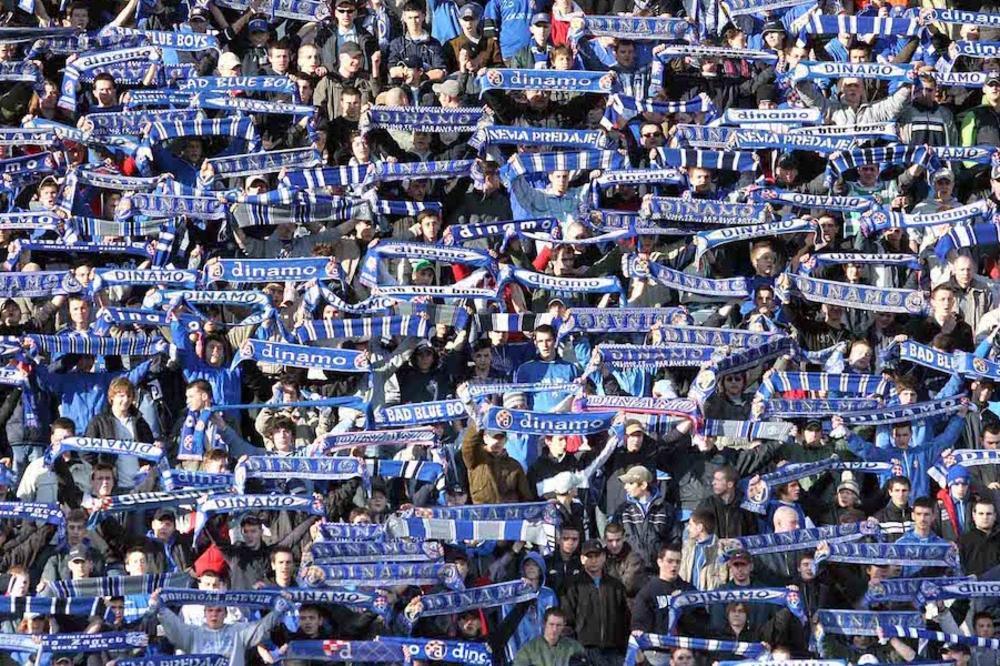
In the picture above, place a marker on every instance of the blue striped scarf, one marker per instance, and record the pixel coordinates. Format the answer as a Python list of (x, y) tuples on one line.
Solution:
[(385, 574), (238, 166), (709, 240), (908, 589), (351, 532), (821, 381), (38, 284), (876, 220), (487, 596), (781, 117), (754, 7), (895, 154), (424, 471), (903, 631), (702, 210), (958, 16), (856, 296), (698, 51), (819, 24), (365, 327), (968, 235), (182, 660), (905, 413), (861, 70), (912, 554), (117, 586), (71, 75), (817, 406), (621, 109), (707, 159), (622, 357), (341, 441), (176, 479), (867, 623), (142, 502), (425, 119), (640, 641), (117, 447), (248, 105), (264, 84), (178, 41), (390, 649), (585, 160), (537, 532), (767, 595), (636, 27), (50, 514), (254, 503), (374, 551), (978, 49), (86, 343), (109, 641), (801, 539), (500, 135), (456, 234), (294, 269), (687, 283), (290, 467), (420, 413)]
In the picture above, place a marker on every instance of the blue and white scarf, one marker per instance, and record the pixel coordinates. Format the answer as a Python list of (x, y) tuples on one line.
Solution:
[(780, 117), (291, 269), (867, 623), (374, 551), (819, 24), (707, 159), (702, 210), (386, 574), (238, 166), (786, 597), (117, 586), (500, 135), (541, 423), (487, 596), (640, 641), (911, 554), (181, 660), (425, 119), (117, 447), (457, 234), (978, 49), (960, 17), (247, 503), (755, 139), (351, 532), (142, 502), (636, 27), (860, 70), (856, 296), (175, 479), (85, 63), (802, 539), (876, 220), (709, 240), (621, 109), (420, 413), (636, 267), (856, 384), (622, 357), (548, 80), (290, 467), (905, 589), (109, 641), (903, 413), (302, 356), (393, 649), (364, 327), (38, 284), (264, 84)]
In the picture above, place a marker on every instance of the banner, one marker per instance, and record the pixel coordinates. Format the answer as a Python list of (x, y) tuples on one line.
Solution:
[(302, 356), (542, 423)]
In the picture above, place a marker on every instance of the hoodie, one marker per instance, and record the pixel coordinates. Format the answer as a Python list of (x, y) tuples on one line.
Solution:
[(530, 625)]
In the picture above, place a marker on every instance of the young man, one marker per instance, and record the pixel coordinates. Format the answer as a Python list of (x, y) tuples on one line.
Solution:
[(955, 504), (924, 510), (596, 609), (647, 517), (979, 547), (646, 612), (894, 518), (552, 647), (546, 368)]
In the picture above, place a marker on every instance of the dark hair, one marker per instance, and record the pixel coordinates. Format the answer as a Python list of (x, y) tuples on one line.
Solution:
[(729, 472), (414, 6), (991, 426), (64, 423), (546, 328), (279, 422), (985, 501), (284, 44), (705, 518), (925, 503), (555, 611), (282, 549), (77, 515), (981, 615), (673, 547), (104, 76), (898, 480), (614, 528), (201, 385)]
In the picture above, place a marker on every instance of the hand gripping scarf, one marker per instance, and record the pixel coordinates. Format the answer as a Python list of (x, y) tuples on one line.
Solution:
[(117, 586), (908, 589), (291, 467), (789, 598), (85, 63), (640, 641), (142, 502), (247, 503), (856, 296), (487, 596), (636, 267), (823, 381), (968, 235), (709, 240), (424, 119), (301, 10), (180, 660)]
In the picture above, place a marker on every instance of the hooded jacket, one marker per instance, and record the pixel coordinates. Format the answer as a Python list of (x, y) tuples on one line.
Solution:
[(531, 612)]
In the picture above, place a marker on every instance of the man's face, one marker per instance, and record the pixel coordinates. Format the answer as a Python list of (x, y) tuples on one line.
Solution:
[(899, 494), (806, 569), (163, 528), (943, 302), (195, 398), (984, 627), (651, 135), (553, 629), (80, 568), (283, 440), (102, 482), (79, 18), (700, 179), (482, 358), (559, 181), (121, 402), (495, 443), (540, 33), (75, 531), (669, 565), (210, 581), (852, 92), (990, 440), (350, 63), (901, 436), (593, 563), (280, 59), (414, 23), (193, 151), (625, 54), (308, 59), (79, 311), (557, 445), (569, 541), (309, 622), (984, 516), (614, 542), (991, 93), (105, 93), (740, 571), (345, 16), (135, 563), (215, 616), (252, 535), (635, 489), (720, 484), (846, 498), (283, 565), (964, 270), (545, 344), (350, 106), (959, 489), (923, 518)]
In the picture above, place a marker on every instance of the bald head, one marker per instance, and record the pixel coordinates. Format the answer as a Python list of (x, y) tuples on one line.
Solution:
[(785, 519)]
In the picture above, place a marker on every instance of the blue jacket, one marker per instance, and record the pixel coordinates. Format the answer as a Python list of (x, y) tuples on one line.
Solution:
[(226, 383), (546, 372), (531, 623), (915, 459), (82, 395), (512, 18)]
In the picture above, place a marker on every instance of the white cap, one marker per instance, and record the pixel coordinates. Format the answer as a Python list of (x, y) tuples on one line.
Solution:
[(563, 482)]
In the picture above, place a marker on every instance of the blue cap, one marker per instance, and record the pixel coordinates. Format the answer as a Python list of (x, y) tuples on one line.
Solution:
[(259, 25), (957, 473), (541, 17)]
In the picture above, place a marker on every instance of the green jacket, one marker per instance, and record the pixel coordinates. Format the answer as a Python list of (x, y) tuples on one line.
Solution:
[(537, 652)]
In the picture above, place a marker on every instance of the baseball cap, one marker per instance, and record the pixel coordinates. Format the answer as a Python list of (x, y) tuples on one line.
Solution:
[(992, 76), (556, 300), (258, 25), (944, 174), (814, 424), (470, 9), (449, 87), (198, 14), (592, 546), (740, 555), (351, 49), (540, 17), (773, 26), (422, 264), (636, 474), (254, 178), (633, 425), (228, 60), (344, 3), (165, 514), (413, 62), (78, 553), (514, 399)]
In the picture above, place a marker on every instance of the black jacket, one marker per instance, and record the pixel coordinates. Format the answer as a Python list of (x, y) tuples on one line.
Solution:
[(648, 529), (978, 550), (598, 614), (102, 426), (649, 617), (731, 520)]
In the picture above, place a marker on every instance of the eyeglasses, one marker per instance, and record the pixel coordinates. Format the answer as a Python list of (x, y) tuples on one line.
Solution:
[(652, 135), (346, 10)]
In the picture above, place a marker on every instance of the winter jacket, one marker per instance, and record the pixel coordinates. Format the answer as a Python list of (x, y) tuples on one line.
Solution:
[(647, 614), (949, 519), (841, 114), (979, 551), (531, 612), (731, 520), (232, 640), (597, 612), (493, 479), (647, 527), (894, 521), (103, 427), (712, 574)]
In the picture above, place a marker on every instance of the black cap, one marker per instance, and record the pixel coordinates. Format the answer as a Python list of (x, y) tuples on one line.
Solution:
[(773, 26), (452, 555), (766, 93), (165, 514), (456, 489), (351, 49), (958, 647), (788, 161), (413, 62), (592, 546), (80, 552), (814, 424)]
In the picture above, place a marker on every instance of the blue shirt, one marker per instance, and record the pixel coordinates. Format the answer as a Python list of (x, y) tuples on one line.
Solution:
[(546, 372)]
